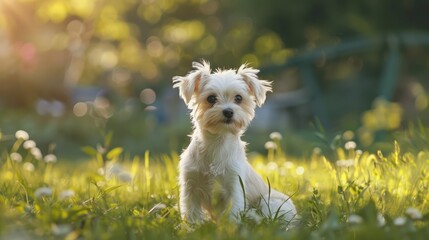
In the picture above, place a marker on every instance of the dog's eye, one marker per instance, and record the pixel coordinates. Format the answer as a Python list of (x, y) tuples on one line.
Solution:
[(212, 99), (238, 99)]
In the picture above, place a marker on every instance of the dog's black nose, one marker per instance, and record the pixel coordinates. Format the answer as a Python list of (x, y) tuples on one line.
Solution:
[(228, 113)]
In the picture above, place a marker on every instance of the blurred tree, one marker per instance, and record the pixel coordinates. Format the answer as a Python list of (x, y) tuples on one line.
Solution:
[(52, 43), (48, 46), (314, 22)]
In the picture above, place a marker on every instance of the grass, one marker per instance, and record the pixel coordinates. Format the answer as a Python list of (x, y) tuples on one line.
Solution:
[(351, 194)]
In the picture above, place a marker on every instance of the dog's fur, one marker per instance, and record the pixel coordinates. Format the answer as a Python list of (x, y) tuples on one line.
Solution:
[(222, 105)]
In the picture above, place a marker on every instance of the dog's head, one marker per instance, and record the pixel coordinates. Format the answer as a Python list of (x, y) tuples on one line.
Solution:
[(222, 101)]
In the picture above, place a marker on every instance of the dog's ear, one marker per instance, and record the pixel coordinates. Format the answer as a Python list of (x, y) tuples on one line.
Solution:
[(258, 88), (189, 84)]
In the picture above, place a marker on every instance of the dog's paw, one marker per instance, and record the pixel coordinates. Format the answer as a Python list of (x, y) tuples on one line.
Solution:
[(195, 217)]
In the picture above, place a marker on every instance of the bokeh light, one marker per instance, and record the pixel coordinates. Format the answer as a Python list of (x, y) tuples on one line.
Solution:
[(54, 108), (103, 107), (148, 96), (300, 170), (185, 31), (27, 52), (57, 108), (75, 28), (154, 47), (42, 107), (80, 109), (108, 59)]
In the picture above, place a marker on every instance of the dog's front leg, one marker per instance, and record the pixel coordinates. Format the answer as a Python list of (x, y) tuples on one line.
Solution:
[(194, 194), (236, 196)]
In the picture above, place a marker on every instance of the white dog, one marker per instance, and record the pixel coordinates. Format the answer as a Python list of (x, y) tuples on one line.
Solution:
[(223, 104)]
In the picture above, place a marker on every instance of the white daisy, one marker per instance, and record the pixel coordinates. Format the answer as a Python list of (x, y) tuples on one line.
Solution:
[(276, 136), (37, 154), (400, 221), (413, 213), (66, 194), (28, 166), (345, 163), (381, 221), (61, 229), (16, 157), (270, 145), (354, 219), (350, 145), (43, 191), (21, 134), (50, 158), (29, 144)]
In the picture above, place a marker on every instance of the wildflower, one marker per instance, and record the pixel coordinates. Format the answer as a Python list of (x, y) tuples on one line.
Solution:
[(21, 134), (276, 136), (272, 166), (16, 157), (354, 219), (381, 221), (400, 221), (66, 194), (43, 191), (37, 154), (29, 144), (270, 145), (28, 166), (61, 229), (300, 170), (317, 151), (125, 177), (350, 145), (116, 170), (50, 158), (413, 213), (288, 164), (345, 163)]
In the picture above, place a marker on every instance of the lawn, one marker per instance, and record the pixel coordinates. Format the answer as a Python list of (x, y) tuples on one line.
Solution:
[(348, 194)]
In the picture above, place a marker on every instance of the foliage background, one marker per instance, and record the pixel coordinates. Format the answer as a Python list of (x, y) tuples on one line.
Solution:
[(70, 70)]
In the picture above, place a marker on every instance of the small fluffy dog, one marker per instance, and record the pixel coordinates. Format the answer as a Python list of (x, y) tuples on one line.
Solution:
[(222, 105)]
